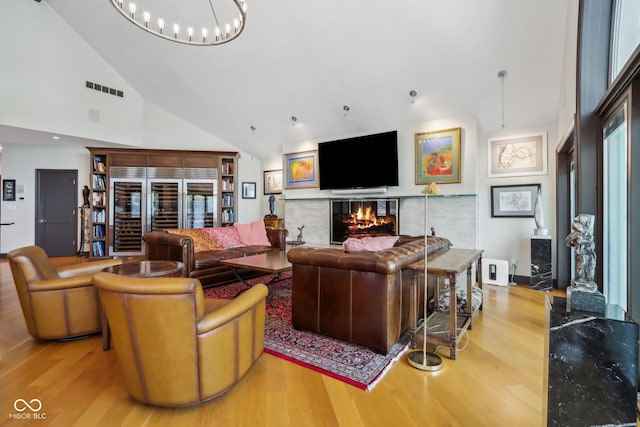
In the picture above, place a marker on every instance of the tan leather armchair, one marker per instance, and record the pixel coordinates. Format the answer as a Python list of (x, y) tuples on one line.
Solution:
[(175, 347), (57, 303)]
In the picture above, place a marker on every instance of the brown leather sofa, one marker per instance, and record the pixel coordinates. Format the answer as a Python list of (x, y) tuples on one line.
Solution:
[(57, 303), (205, 265), (176, 348), (361, 297)]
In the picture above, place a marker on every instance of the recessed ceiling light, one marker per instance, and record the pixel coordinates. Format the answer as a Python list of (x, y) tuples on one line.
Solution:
[(56, 137)]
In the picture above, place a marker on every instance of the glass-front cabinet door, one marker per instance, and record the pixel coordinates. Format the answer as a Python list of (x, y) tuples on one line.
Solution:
[(165, 204), (127, 220), (200, 203)]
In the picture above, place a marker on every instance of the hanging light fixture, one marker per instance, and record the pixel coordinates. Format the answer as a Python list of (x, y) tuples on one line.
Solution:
[(232, 28), (413, 95), (501, 75)]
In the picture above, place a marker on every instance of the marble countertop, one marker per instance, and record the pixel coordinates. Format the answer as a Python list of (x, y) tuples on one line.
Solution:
[(592, 368)]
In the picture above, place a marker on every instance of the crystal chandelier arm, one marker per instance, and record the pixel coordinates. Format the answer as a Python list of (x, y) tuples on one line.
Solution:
[(218, 38)]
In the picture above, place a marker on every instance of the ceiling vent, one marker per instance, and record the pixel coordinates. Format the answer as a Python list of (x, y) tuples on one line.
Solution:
[(104, 89)]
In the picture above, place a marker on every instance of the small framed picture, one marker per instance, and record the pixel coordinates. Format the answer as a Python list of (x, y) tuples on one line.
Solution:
[(513, 201), (9, 190), (248, 190), (301, 169), (518, 155), (272, 182)]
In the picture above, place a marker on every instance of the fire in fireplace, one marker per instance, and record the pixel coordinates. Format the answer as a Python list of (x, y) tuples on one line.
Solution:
[(363, 217)]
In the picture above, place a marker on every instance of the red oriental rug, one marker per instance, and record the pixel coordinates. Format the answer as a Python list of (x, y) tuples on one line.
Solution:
[(351, 363)]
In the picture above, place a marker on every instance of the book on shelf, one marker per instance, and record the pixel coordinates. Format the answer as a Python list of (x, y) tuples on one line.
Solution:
[(98, 231), (98, 249), (98, 215), (98, 199), (99, 182), (227, 200), (98, 165), (227, 215), (227, 168), (227, 185)]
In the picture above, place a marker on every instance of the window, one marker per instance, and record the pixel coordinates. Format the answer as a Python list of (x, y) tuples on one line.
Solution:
[(615, 220), (625, 35)]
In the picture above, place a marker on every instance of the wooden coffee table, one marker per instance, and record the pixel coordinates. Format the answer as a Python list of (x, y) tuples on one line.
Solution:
[(155, 268), (274, 262)]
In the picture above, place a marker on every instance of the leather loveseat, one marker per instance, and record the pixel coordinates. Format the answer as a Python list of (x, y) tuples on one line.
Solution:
[(360, 297), (205, 265)]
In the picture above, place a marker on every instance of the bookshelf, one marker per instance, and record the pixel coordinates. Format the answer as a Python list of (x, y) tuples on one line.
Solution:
[(227, 190), (99, 200)]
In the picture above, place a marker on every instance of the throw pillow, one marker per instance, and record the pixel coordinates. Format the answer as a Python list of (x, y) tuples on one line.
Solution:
[(202, 241), (253, 234), (227, 236), (373, 244), (244, 231)]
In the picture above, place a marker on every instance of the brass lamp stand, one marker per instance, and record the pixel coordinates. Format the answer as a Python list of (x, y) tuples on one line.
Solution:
[(423, 359)]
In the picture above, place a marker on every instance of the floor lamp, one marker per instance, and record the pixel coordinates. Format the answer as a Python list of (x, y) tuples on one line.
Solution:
[(423, 359)]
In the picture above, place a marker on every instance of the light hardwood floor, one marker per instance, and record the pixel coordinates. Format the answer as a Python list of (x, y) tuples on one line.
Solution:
[(496, 380)]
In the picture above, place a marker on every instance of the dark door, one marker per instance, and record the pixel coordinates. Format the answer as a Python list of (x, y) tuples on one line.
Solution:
[(56, 211)]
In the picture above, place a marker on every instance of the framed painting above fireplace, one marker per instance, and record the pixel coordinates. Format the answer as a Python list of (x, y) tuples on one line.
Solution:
[(363, 217)]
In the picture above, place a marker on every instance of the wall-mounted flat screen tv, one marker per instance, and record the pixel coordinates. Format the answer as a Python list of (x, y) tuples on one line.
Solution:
[(362, 162)]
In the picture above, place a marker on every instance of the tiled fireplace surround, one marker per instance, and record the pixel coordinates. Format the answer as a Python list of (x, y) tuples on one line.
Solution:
[(453, 217)]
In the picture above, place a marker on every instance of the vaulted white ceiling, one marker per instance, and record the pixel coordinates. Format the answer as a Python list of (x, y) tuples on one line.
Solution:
[(309, 58)]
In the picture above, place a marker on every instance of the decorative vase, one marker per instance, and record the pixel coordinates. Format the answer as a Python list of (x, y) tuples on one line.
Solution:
[(538, 215)]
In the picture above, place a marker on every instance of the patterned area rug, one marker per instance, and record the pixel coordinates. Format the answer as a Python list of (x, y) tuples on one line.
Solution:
[(347, 362)]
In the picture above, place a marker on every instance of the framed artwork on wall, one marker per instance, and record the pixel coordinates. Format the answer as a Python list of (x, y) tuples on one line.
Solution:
[(272, 182), (301, 170), (9, 190), (513, 201), (518, 155), (438, 157), (248, 190)]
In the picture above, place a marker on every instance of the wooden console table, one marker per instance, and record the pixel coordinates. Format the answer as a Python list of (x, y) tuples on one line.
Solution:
[(446, 329)]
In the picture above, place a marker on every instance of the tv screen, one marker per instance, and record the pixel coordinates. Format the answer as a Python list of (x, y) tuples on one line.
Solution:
[(360, 162)]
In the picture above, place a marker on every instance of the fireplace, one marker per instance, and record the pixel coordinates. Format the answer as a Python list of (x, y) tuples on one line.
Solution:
[(363, 217)]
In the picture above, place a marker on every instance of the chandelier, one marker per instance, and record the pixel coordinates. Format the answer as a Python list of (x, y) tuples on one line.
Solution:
[(206, 35)]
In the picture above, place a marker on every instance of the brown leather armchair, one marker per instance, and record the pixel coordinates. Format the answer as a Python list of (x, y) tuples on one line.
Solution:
[(57, 303), (175, 347)]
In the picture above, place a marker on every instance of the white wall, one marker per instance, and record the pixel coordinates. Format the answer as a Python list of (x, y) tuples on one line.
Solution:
[(42, 79), (249, 171), (510, 238), (20, 162)]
